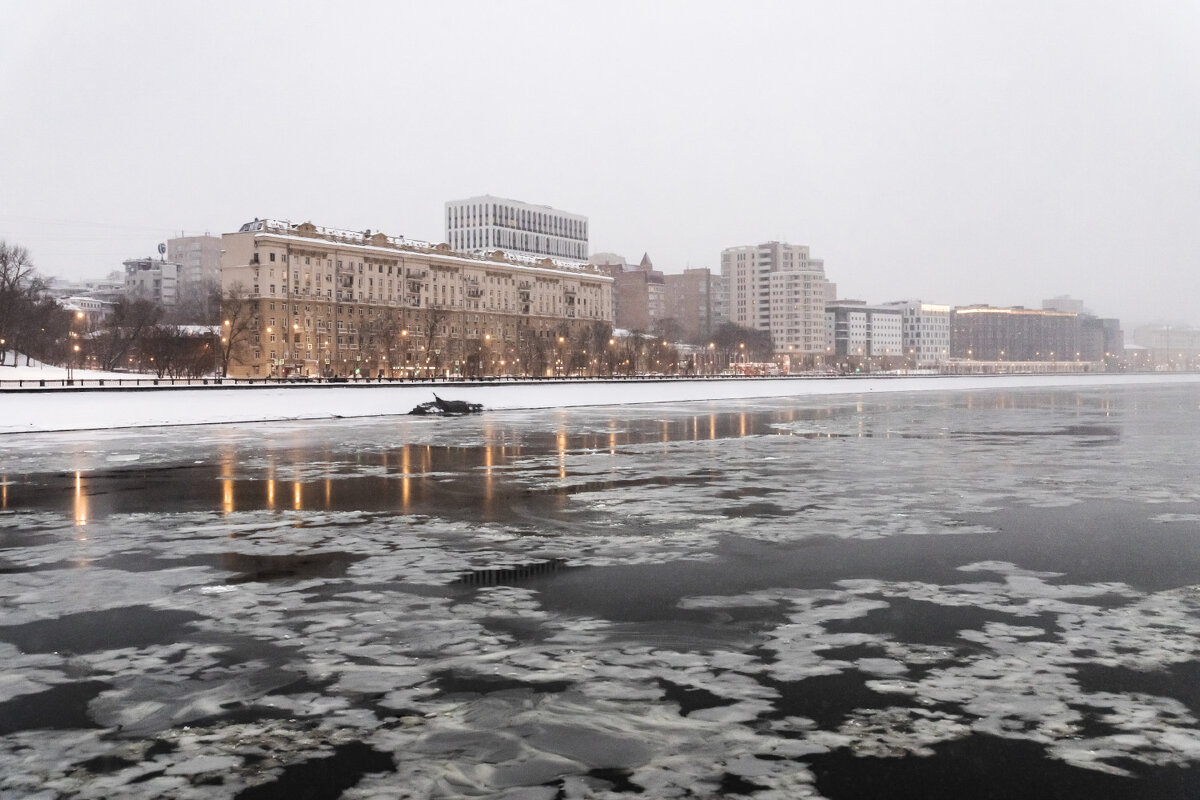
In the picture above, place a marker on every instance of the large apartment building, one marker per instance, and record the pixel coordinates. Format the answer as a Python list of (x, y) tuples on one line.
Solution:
[(779, 288), (984, 333), (322, 301), (486, 223)]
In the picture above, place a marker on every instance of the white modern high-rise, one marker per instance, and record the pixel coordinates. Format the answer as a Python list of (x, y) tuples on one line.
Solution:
[(779, 288), (486, 223)]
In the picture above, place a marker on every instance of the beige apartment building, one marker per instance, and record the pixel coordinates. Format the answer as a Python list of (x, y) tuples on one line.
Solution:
[(328, 302), (779, 288)]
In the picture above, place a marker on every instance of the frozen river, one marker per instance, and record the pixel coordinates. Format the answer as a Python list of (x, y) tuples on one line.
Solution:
[(927, 595)]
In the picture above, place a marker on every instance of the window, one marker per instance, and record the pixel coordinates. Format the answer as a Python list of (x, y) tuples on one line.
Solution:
[(272, 256)]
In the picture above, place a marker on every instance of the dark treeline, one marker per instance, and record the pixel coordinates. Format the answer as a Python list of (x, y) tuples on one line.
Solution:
[(137, 334)]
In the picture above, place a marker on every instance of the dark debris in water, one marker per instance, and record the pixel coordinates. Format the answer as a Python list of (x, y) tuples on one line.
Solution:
[(450, 682), (512, 575)]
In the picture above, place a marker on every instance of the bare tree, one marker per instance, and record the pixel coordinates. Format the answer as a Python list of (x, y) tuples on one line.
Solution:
[(16, 275), (129, 321), (733, 342), (200, 305), (237, 326), (434, 317)]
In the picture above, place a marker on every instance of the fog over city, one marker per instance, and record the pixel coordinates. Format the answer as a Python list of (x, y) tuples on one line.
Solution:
[(962, 153)]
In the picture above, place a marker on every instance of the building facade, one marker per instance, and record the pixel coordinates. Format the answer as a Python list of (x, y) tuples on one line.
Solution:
[(925, 332), (1167, 347), (859, 332), (639, 292), (484, 224), (778, 288), (322, 301), (157, 281), (984, 333), (199, 260), (691, 300)]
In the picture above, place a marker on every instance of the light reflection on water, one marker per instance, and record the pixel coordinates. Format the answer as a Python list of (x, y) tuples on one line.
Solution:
[(805, 593), (251, 469)]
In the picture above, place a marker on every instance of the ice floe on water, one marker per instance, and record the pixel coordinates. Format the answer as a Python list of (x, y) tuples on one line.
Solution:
[(692, 601)]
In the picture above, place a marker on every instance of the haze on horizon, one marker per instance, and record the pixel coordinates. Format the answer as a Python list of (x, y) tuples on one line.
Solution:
[(961, 153)]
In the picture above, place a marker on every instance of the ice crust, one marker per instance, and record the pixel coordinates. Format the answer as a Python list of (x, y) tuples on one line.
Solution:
[(495, 690)]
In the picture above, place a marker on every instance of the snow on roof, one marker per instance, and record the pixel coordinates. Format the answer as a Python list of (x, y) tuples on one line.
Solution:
[(424, 248)]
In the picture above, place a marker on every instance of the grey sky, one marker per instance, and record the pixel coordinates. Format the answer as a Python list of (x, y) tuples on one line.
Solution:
[(961, 152)]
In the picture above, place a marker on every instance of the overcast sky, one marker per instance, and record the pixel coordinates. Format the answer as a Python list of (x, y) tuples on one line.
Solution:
[(959, 152)]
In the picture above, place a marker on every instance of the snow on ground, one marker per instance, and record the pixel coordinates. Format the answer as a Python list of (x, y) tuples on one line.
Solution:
[(92, 408), (15, 368)]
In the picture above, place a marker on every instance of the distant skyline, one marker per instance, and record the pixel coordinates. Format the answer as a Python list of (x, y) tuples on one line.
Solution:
[(957, 152)]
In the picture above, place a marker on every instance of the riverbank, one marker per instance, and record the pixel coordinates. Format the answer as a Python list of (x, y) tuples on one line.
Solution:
[(98, 408)]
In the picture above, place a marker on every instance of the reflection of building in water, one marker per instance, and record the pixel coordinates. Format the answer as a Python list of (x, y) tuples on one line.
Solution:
[(333, 302)]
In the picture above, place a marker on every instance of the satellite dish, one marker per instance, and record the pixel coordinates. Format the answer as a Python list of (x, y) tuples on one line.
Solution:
[(162, 248)]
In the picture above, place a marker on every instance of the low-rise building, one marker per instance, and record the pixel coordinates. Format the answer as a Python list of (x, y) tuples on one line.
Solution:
[(856, 333), (154, 280), (333, 302), (1167, 347), (925, 332)]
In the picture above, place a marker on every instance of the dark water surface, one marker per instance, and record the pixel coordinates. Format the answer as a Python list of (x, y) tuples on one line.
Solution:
[(983, 594)]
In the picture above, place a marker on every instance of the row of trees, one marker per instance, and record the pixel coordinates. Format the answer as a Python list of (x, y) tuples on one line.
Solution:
[(136, 335), (30, 321)]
